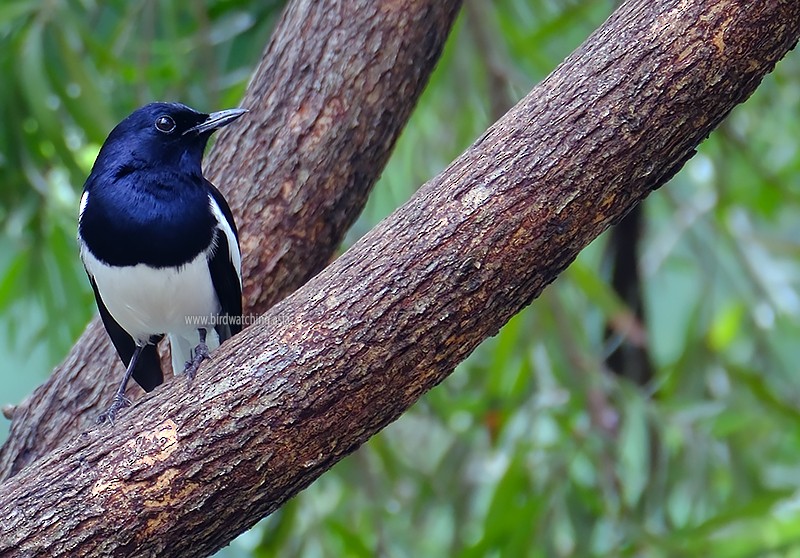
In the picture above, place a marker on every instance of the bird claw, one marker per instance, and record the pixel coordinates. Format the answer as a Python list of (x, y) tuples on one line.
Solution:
[(200, 354), (120, 402)]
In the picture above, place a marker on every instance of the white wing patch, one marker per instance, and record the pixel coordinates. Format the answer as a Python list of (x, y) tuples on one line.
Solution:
[(84, 200), (233, 246)]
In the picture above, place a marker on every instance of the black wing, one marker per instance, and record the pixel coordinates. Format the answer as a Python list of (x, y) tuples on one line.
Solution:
[(224, 274), (148, 369)]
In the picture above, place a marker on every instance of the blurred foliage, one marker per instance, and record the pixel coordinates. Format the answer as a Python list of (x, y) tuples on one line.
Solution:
[(531, 448)]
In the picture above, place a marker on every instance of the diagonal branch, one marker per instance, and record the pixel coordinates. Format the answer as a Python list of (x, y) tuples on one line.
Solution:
[(183, 472), (334, 89)]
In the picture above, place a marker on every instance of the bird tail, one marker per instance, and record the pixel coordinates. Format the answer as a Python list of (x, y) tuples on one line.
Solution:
[(148, 369)]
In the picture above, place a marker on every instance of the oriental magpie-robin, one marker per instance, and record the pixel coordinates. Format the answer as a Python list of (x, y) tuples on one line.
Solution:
[(159, 243)]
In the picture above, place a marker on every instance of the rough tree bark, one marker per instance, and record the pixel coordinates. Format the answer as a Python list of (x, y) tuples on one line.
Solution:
[(182, 473), (334, 89)]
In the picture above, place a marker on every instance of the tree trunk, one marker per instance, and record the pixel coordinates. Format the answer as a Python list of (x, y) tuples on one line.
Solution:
[(187, 468), (328, 100)]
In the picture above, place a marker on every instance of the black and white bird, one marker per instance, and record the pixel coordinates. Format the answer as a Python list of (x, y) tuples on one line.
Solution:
[(159, 243)]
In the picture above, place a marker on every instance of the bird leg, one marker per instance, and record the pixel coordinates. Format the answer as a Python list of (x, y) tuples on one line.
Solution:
[(200, 354), (120, 401)]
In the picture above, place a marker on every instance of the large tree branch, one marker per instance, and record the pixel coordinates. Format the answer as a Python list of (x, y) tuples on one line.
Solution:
[(183, 472), (334, 89)]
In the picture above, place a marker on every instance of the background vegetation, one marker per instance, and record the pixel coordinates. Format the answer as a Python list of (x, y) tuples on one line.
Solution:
[(533, 447)]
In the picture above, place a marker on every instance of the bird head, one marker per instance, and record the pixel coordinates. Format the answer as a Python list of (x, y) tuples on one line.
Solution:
[(158, 134)]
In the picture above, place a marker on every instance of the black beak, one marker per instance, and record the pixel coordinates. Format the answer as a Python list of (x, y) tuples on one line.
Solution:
[(216, 120)]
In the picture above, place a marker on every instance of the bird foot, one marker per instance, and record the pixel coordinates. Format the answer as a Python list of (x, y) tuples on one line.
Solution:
[(200, 354), (120, 402)]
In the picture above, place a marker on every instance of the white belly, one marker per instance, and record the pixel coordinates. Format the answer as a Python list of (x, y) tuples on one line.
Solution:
[(147, 301)]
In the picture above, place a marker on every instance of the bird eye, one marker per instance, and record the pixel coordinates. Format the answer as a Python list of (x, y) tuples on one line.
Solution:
[(165, 124)]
